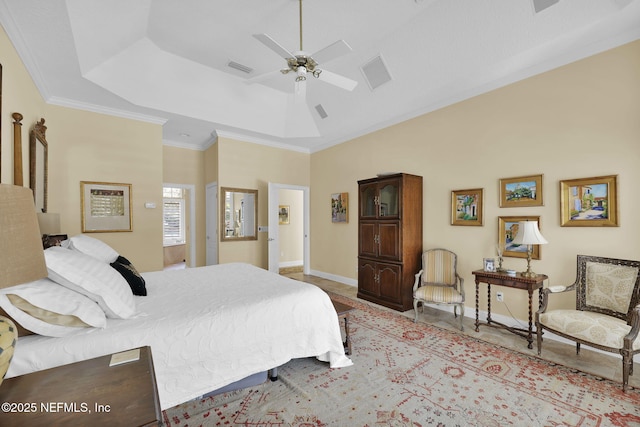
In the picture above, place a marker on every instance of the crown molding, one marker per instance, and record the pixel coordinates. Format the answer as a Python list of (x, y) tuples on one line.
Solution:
[(85, 106)]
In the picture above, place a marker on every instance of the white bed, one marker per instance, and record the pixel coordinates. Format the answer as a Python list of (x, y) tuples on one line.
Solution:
[(207, 327)]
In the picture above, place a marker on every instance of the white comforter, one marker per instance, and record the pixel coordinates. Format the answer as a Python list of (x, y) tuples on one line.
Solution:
[(207, 327)]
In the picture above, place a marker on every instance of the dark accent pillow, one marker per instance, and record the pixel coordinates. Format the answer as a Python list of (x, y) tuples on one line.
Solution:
[(131, 275)]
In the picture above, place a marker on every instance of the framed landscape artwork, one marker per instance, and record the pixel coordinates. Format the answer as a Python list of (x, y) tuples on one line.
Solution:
[(467, 207), (521, 191), (507, 230), (589, 202)]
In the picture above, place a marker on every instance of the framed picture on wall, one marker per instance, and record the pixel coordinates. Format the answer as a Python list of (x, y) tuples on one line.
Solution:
[(283, 214), (521, 191), (589, 202), (467, 207), (105, 207), (507, 231), (340, 207)]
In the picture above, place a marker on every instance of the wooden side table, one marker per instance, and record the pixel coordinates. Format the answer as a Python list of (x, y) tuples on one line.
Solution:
[(89, 392), (517, 282), (343, 313)]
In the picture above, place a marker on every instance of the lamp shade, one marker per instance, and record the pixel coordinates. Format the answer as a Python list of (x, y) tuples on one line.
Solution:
[(529, 234), (49, 223)]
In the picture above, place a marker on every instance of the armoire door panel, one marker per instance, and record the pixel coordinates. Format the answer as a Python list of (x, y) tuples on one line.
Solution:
[(389, 240), (367, 278), (390, 277), (368, 239)]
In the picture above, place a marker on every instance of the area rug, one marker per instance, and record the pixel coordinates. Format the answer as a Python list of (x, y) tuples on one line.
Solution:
[(408, 374)]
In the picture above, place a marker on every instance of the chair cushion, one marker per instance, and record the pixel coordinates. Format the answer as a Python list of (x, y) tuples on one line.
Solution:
[(588, 326), (438, 294), (439, 267), (610, 286)]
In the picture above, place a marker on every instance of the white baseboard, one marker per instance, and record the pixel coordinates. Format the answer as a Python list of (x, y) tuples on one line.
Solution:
[(335, 278), (286, 264)]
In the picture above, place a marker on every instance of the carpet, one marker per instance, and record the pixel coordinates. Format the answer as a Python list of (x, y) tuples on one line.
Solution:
[(408, 374)]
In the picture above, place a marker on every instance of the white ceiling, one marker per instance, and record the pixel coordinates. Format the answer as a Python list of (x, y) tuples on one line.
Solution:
[(166, 60)]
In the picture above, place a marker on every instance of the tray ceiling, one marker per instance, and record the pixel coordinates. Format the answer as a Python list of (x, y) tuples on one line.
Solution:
[(167, 61)]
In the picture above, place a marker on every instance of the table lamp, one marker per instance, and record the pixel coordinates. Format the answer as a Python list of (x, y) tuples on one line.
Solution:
[(529, 234)]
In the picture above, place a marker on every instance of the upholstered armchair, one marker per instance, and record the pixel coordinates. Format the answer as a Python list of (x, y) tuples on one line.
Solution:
[(606, 317), (439, 282)]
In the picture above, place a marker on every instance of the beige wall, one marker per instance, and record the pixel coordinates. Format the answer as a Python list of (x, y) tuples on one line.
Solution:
[(85, 146), (20, 95), (246, 165), (581, 120), (108, 149)]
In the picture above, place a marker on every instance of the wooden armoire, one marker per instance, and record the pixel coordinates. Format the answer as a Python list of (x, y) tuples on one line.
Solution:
[(389, 239)]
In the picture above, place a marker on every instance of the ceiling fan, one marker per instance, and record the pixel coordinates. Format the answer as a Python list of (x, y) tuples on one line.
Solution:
[(302, 64)]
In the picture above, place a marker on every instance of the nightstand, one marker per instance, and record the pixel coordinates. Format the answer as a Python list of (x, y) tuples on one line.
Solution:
[(89, 392)]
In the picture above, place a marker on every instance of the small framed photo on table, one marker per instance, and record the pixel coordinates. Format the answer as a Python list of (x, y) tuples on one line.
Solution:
[(489, 265)]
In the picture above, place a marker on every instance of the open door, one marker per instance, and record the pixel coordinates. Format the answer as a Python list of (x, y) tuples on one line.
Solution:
[(273, 246), (273, 239), (212, 223)]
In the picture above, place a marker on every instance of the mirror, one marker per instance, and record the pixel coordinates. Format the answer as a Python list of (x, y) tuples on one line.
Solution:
[(239, 214), (38, 165)]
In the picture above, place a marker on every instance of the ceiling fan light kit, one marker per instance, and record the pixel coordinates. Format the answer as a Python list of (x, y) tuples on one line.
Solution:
[(302, 63)]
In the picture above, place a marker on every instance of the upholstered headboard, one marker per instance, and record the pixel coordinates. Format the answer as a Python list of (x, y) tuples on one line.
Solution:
[(21, 253)]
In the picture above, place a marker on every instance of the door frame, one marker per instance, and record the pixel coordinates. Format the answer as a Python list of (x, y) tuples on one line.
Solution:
[(273, 242), (211, 221)]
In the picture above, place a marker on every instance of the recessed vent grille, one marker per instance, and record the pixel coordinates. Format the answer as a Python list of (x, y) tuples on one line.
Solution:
[(321, 112), (376, 72), (240, 67)]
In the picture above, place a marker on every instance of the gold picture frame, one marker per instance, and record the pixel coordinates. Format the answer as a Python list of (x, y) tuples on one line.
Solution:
[(105, 207), (467, 207), (522, 191), (283, 214), (589, 202), (507, 230)]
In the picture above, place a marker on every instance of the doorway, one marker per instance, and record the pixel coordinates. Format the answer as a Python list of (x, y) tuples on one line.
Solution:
[(183, 221), (288, 242)]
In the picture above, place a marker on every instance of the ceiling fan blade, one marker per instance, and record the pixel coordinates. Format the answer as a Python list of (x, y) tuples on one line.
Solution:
[(332, 51), (337, 80), (274, 46), (263, 77)]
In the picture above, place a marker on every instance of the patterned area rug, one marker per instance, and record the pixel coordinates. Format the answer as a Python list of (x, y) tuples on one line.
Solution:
[(408, 374)]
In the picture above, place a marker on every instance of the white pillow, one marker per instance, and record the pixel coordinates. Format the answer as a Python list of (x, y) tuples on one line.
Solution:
[(92, 247), (93, 278), (51, 308)]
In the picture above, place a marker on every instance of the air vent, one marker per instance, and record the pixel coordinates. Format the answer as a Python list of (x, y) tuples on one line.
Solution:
[(540, 5), (321, 112), (376, 72), (240, 67)]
